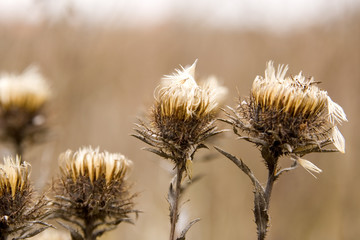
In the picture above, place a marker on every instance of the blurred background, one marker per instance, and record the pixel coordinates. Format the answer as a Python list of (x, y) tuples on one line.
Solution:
[(104, 59)]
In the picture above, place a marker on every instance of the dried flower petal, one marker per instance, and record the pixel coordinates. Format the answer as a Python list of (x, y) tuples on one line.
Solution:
[(338, 139), (309, 166), (94, 164), (13, 175)]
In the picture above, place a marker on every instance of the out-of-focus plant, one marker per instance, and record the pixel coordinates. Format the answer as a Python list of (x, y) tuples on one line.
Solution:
[(284, 116), (22, 108), (91, 193), (182, 118), (22, 214)]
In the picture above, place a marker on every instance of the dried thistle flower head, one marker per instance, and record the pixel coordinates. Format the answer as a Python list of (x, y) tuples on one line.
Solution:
[(183, 116), (14, 177), (28, 90), (180, 96), (290, 115), (92, 192), (22, 101), (19, 212), (92, 163)]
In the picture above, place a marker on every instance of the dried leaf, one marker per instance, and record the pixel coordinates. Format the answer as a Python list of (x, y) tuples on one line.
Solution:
[(186, 229), (158, 152), (75, 235), (260, 213)]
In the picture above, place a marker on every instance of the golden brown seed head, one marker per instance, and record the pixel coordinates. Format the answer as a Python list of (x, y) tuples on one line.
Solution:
[(28, 91), (179, 96), (14, 176), (297, 98), (94, 164)]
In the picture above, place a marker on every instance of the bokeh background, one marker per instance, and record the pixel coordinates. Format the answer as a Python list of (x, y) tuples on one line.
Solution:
[(104, 59)]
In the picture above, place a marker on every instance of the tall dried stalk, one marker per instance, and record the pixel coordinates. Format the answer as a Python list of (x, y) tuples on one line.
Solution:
[(22, 108), (284, 116), (182, 118)]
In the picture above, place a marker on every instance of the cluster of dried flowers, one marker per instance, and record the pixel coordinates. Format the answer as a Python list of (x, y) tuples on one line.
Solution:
[(283, 116), (22, 120), (91, 194)]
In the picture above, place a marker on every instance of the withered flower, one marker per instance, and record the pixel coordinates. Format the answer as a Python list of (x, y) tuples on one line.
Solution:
[(22, 101), (21, 215), (284, 116), (182, 118), (289, 115), (92, 193)]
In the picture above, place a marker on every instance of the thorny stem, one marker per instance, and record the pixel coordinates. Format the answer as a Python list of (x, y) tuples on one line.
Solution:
[(261, 210), (174, 216), (89, 229)]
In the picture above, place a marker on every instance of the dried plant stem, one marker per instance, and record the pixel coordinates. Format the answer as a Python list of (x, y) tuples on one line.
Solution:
[(262, 203), (174, 207), (261, 195), (89, 229), (261, 207), (19, 149)]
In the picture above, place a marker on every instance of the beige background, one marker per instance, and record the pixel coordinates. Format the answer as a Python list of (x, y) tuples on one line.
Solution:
[(103, 79)]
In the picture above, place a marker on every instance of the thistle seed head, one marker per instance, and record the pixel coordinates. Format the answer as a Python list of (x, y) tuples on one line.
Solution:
[(289, 115), (14, 177), (28, 91), (179, 96), (92, 163), (22, 101), (184, 113), (20, 212), (92, 189)]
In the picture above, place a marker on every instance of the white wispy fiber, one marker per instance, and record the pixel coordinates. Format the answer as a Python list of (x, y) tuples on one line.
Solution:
[(308, 166), (179, 94)]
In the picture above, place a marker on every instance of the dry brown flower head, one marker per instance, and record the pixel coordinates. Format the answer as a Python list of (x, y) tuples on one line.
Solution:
[(94, 164), (21, 214), (183, 116), (14, 176), (28, 90), (22, 107), (290, 115), (92, 193)]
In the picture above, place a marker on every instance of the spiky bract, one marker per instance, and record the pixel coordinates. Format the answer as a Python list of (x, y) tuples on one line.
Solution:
[(92, 192), (183, 115), (289, 115), (20, 213)]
